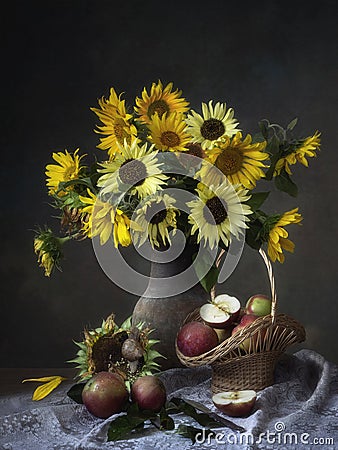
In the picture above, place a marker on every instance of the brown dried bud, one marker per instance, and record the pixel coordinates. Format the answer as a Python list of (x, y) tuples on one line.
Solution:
[(132, 350)]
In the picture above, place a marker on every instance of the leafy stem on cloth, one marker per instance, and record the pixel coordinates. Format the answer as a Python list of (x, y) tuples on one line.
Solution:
[(134, 419)]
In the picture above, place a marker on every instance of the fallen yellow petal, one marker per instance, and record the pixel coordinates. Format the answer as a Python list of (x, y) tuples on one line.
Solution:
[(50, 383), (42, 379)]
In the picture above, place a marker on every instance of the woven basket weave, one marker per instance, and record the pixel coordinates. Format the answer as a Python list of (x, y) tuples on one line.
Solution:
[(234, 368)]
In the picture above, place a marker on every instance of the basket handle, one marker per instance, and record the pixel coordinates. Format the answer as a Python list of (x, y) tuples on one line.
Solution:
[(272, 283), (271, 280)]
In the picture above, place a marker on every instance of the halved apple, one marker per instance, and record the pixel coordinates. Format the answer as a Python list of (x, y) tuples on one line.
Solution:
[(221, 312), (235, 403)]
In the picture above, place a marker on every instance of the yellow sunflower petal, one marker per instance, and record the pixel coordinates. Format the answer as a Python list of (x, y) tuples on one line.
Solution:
[(42, 391)]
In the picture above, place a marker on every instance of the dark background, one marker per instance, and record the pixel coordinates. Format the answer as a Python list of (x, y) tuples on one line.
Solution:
[(268, 59)]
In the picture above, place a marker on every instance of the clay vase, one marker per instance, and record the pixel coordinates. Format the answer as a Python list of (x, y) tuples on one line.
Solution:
[(165, 315)]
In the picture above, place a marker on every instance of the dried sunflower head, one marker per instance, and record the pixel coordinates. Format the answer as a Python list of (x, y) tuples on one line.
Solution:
[(124, 349)]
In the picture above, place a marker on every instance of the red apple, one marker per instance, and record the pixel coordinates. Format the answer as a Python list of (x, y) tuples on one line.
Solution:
[(195, 338), (235, 403), (248, 344), (221, 312), (104, 394), (149, 393), (259, 305)]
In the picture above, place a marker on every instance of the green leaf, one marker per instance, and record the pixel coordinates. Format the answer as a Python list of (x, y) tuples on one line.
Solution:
[(257, 199), (153, 342), (79, 181), (75, 392), (264, 126), (79, 360), (273, 148), (210, 279), (258, 137), (163, 421), (152, 354), (203, 419), (126, 325), (292, 124), (284, 183), (222, 420), (82, 345), (122, 426), (252, 235), (192, 432)]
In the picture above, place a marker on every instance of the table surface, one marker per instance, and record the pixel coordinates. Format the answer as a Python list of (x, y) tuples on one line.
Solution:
[(303, 401), (11, 378)]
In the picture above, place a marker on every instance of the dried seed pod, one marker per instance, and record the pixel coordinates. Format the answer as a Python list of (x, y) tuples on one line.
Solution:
[(132, 350)]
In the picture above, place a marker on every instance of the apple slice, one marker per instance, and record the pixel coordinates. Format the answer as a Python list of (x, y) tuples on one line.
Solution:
[(235, 403), (221, 312)]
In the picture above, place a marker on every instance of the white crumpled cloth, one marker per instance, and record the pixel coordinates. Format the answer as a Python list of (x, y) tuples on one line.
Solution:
[(300, 411)]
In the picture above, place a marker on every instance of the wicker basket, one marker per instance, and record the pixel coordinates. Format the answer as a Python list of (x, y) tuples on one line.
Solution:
[(234, 368)]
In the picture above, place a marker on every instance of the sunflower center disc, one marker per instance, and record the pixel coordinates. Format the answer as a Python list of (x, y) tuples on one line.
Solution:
[(159, 106), (170, 139), (229, 161), (212, 129), (119, 131), (214, 211), (195, 149), (133, 172), (69, 173), (157, 217)]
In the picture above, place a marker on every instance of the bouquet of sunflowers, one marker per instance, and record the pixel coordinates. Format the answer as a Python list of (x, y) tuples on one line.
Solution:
[(124, 197), (150, 152)]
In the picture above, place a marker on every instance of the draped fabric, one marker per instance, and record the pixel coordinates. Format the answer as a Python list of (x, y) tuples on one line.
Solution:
[(300, 411)]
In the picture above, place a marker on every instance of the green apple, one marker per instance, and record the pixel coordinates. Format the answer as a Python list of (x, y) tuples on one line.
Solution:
[(258, 305)]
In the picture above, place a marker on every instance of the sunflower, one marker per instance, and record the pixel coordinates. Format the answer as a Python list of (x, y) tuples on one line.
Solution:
[(277, 240), (101, 220), (154, 219), (169, 132), (218, 213), (100, 217), (239, 160), (125, 349), (195, 149), (160, 100), (307, 149), (48, 248), (117, 124), (216, 123), (192, 157), (121, 229), (67, 168), (136, 167)]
